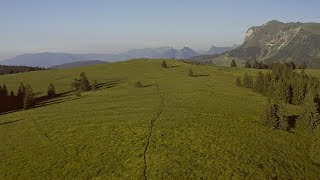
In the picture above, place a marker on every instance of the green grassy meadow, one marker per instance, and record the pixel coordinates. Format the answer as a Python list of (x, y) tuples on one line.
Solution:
[(203, 127)]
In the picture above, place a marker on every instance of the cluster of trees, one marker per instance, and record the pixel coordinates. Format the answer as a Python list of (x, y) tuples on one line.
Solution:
[(24, 98), (82, 84), (17, 69), (284, 85), (261, 65)]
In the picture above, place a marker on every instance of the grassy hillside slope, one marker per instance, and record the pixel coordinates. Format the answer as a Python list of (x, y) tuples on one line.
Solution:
[(189, 127)]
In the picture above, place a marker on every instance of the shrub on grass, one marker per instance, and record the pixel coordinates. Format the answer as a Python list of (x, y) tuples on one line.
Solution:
[(164, 64), (138, 84), (233, 63)]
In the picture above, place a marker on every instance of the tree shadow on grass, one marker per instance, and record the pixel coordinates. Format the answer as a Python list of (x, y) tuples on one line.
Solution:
[(173, 66), (201, 75), (66, 96), (9, 122), (292, 121), (109, 84)]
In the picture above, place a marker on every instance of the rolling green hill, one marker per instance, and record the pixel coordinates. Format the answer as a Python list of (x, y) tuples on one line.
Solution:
[(175, 127)]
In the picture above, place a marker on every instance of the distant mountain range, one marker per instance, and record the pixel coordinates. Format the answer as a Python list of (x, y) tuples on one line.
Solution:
[(220, 50), (278, 41), (48, 59), (77, 64)]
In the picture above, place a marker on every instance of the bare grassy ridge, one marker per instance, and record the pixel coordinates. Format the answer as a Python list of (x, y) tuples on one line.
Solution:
[(208, 127)]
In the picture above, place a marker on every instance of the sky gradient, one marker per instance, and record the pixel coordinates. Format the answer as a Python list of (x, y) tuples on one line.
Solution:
[(107, 26)]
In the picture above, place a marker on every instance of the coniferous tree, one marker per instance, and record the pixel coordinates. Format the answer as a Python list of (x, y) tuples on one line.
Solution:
[(303, 66), (267, 83), (94, 85), (233, 63), (81, 84), (51, 92), (274, 115), (164, 64), (20, 95), (259, 83), (315, 146), (310, 117), (4, 90), (238, 81), (29, 98), (255, 64), (247, 81), (247, 64), (299, 91), (84, 82)]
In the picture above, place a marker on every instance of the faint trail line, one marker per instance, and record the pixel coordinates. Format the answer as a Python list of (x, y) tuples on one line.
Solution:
[(9, 122), (153, 120)]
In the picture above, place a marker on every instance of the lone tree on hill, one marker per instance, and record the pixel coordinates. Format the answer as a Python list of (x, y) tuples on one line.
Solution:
[(138, 84), (84, 82), (164, 64), (233, 63), (51, 92), (29, 99)]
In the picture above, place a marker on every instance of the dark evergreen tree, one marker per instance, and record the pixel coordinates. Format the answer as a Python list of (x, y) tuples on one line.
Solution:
[(4, 90), (84, 83), (81, 84), (94, 85), (29, 98), (310, 117), (20, 95), (164, 64), (315, 146), (303, 66), (51, 92), (256, 65), (233, 63), (267, 86), (247, 64), (274, 115), (259, 83)]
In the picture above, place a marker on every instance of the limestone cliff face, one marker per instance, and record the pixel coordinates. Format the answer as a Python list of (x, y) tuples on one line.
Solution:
[(277, 41)]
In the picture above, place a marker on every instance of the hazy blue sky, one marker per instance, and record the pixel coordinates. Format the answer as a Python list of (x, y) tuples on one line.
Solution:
[(116, 25)]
